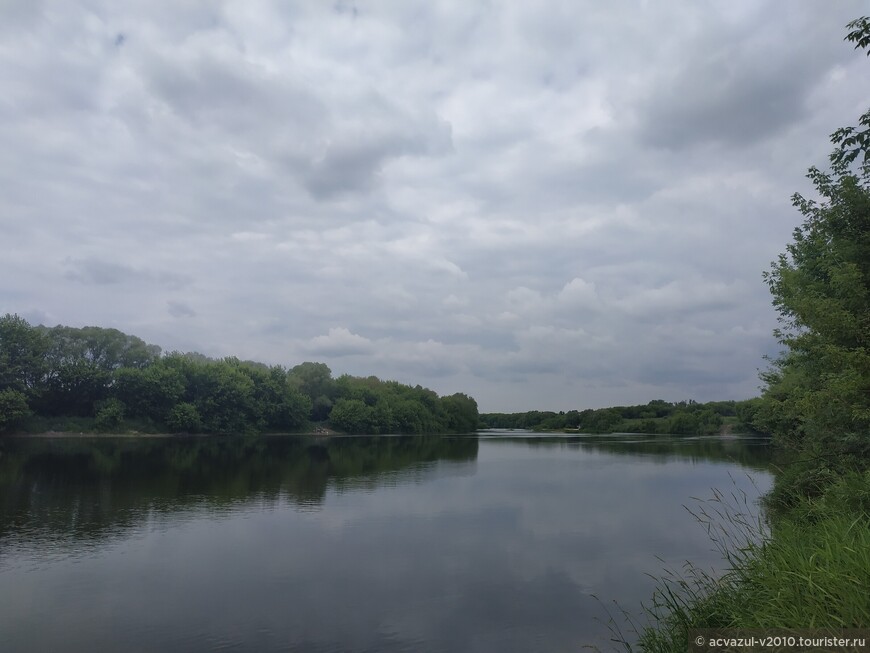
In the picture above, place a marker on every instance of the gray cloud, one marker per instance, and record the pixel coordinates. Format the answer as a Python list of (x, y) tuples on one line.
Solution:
[(179, 309), (353, 163), (340, 342), (104, 273), (545, 206), (742, 84)]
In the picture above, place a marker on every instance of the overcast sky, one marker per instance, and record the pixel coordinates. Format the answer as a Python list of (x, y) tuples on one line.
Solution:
[(546, 205)]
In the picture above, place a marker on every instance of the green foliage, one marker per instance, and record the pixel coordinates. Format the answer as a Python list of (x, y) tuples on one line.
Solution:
[(656, 417), (407, 416), (854, 142), (320, 408), (804, 573), (279, 405), (603, 421), (315, 381), (747, 415), (817, 394), (106, 349), (184, 418), (528, 420), (73, 387), (114, 378), (808, 490), (369, 405), (702, 422), (353, 416), (110, 415), (461, 413), (22, 355), (151, 391), (13, 408), (79, 366), (224, 397)]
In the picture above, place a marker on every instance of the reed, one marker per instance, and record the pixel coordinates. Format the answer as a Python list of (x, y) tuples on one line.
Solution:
[(807, 568)]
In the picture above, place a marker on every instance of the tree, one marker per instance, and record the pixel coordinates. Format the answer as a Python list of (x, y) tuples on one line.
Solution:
[(224, 397), (184, 418), (109, 415), (351, 415), (407, 418), (604, 421), (105, 349), (747, 414), (461, 412), (22, 354), (817, 394), (315, 380), (13, 408), (74, 387), (149, 392), (854, 142), (694, 422), (278, 402)]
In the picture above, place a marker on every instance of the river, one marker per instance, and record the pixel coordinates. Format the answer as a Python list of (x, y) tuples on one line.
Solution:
[(502, 541)]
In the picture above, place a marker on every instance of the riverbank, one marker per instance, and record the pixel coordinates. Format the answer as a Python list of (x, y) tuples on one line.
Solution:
[(313, 432), (812, 568), (87, 434)]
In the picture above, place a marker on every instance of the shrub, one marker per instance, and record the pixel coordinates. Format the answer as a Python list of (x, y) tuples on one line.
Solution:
[(110, 415), (184, 418), (13, 408)]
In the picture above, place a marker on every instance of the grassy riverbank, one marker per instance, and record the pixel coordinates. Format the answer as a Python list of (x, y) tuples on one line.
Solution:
[(811, 568)]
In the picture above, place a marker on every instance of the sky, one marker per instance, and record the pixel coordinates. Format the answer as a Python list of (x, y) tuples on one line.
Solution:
[(547, 205)]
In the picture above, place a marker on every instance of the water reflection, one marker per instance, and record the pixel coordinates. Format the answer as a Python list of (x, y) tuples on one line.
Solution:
[(345, 544), (88, 487), (749, 451)]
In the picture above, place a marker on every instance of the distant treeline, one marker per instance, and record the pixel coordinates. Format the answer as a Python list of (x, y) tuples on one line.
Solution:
[(658, 416), (92, 378)]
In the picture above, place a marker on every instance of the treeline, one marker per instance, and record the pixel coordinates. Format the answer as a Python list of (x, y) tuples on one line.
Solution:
[(370, 405), (103, 379), (658, 416)]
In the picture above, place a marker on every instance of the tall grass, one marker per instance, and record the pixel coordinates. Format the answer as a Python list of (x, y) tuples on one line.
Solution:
[(809, 568)]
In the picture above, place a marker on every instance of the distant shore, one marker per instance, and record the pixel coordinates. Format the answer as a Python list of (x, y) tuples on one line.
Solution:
[(92, 434)]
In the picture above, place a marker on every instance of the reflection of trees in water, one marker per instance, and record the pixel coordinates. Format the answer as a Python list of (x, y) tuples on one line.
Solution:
[(94, 487), (751, 452)]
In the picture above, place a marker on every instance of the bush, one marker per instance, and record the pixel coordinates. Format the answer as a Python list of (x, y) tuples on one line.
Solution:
[(13, 408), (184, 418), (110, 415)]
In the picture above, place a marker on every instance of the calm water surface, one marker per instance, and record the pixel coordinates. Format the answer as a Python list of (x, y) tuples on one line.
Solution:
[(476, 543)]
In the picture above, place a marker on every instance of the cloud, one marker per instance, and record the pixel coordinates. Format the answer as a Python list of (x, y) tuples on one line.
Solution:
[(103, 273), (339, 342), (180, 309), (682, 296), (354, 156), (578, 293), (544, 206), (743, 84)]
